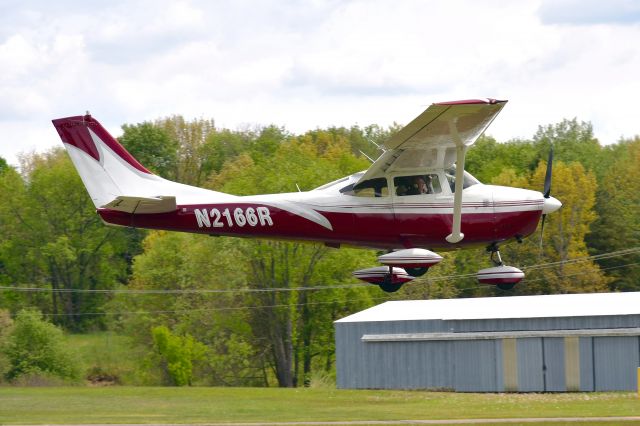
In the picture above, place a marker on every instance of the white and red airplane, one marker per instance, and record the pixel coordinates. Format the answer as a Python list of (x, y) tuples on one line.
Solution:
[(413, 198)]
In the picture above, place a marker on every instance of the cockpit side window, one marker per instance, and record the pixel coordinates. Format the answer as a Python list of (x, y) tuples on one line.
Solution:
[(369, 188), (417, 184)]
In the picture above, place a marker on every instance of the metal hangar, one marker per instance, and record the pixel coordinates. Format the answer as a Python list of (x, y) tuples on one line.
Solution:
[(552, 343)]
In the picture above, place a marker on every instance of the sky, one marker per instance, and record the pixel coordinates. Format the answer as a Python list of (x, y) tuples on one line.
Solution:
[(308, 64)]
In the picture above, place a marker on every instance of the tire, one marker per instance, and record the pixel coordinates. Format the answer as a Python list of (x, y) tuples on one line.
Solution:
[(390, 287), (416, 272), (506, 286)]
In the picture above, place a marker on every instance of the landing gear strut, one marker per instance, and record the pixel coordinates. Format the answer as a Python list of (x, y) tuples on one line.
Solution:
[(504, 277), (495, 254)]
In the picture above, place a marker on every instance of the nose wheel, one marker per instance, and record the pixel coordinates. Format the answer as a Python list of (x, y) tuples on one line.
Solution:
[(502, 276)]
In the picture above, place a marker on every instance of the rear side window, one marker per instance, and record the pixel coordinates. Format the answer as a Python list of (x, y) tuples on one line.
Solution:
[(369, 188)]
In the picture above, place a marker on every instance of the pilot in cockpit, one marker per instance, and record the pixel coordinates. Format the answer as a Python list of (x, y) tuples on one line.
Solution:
[(421, 185)]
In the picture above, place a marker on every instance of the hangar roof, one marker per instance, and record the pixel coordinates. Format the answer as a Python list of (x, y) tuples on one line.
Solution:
[(558, 305)]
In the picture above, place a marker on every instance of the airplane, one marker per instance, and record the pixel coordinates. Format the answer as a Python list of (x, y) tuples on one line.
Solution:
[(414, 200)]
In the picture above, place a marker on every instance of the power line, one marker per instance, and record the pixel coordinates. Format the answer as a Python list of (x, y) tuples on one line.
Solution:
[(181, 291), (226, 308), (456, 277), (528, 280), (584, 259), (285, 305), (541, 266)]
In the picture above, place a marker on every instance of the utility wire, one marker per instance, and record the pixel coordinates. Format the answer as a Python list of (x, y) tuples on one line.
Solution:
[(528, 280), (239, 308), (180, 291), (549, 265), (226, 308), (456, 277)]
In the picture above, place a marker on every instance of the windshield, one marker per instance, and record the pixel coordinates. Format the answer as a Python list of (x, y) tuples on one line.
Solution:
[(469, 180), (354, 177)]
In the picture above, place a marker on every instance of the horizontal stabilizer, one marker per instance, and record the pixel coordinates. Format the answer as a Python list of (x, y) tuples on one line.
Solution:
[(142, 205)]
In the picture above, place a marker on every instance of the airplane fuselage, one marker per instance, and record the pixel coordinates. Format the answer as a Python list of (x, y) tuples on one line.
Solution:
[(490, 214)]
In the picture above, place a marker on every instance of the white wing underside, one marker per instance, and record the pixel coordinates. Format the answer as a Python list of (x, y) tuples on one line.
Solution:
[(430, 140)]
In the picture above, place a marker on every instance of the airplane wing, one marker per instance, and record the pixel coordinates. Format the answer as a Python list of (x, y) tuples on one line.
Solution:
[(437, 138), (431, 138)]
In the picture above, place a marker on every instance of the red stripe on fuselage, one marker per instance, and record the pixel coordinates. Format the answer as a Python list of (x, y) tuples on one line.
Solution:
[(379, 230)]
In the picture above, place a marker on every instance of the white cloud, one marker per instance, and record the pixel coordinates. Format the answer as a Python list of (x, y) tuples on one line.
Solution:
[(589, 12), (305, 64)]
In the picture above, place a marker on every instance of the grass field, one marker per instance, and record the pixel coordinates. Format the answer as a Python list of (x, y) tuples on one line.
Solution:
[(73, 405)]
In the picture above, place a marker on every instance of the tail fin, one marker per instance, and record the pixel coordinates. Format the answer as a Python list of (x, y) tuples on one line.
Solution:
[(110, 173)]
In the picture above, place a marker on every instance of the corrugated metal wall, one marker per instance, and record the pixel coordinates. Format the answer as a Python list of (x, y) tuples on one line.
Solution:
[(530, 364), (614, 358), (477, 365)]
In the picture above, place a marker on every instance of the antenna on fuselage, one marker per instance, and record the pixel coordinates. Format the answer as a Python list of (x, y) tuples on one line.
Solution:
[(368, 158), (380, 147)]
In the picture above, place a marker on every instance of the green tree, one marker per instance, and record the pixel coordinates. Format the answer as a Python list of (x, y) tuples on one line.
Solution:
[(191, 137), (3, 164), (178, 354), (199, 282), (255, 322), (152, 147), (54, 239), (308, 160), (572, 141), (295, 324), (36, 347), (224, 145), (618, 224), (6, 326), (14, 264), (488, 158), (564, 235), (434, 285)]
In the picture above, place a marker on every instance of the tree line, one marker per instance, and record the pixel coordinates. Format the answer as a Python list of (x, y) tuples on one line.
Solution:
[(227, 311)]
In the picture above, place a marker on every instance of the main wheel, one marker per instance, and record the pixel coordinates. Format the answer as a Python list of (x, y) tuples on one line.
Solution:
[(390, 287), (416, 272), (506, 286)]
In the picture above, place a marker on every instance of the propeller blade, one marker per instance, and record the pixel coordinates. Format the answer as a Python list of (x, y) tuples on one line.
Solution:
[(547, 190), (547, 177), (544, 216)]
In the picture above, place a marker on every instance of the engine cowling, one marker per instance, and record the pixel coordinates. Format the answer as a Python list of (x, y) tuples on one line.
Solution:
[(410, 258), (503, 276), (383, 274)]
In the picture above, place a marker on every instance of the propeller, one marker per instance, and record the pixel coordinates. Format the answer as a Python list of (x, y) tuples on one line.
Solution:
[(547, 188), (547, 176)]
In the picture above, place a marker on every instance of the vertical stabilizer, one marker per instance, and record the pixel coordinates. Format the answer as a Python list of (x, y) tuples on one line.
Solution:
[(110, 172)]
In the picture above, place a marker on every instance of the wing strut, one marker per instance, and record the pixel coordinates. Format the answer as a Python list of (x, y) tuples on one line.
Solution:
[(461, 149)]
